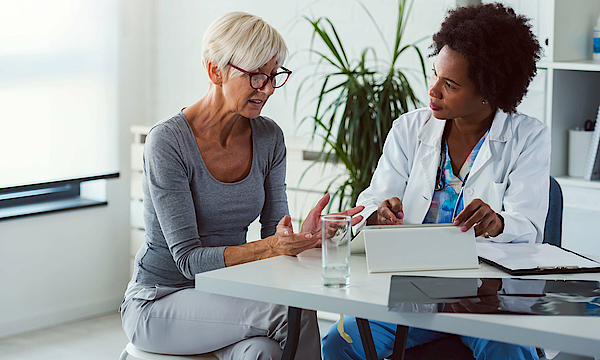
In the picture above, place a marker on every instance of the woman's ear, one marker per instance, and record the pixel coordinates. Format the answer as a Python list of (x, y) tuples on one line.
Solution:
[(214, 73)]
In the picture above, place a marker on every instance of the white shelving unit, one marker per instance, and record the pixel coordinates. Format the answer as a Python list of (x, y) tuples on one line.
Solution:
[(571, 80), (569, 87), (136, 208)]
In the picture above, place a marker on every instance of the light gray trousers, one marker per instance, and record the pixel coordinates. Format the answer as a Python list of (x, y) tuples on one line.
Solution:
[(193, 322)]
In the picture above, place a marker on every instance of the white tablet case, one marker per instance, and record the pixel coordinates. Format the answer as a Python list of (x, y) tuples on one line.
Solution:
[(418, 247)]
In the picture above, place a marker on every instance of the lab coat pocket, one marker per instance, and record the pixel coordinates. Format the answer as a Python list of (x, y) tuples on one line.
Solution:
[(496, 195)]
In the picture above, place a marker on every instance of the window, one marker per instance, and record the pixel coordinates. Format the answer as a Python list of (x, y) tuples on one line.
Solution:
[(58, 90), (58, 97)]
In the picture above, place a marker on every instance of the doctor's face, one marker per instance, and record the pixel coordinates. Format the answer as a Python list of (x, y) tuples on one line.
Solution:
[(452, 94)]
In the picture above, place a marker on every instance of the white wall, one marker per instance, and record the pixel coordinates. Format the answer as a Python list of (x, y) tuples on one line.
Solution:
[(180, 79), (63, 266), (69, 265)]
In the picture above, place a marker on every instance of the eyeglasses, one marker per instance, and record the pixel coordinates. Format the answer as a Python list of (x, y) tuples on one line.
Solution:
[(260, 80)]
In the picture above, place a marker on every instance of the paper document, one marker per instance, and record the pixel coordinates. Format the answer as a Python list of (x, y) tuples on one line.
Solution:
[(532, 256)]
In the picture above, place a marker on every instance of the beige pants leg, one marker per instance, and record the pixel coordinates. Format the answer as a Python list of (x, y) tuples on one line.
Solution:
[(194, 322)]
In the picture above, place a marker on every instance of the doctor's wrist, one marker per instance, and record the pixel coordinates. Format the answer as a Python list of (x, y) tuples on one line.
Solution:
[(502, 224), (372, 219)]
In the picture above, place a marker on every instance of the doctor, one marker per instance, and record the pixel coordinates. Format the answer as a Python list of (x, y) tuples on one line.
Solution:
[(468, 159)]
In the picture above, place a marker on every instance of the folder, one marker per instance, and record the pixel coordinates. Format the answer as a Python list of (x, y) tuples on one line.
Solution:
[(534, 259), (417, 247)]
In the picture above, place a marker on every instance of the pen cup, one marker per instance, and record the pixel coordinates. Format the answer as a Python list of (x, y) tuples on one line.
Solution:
[(335, 239), (579, 146)]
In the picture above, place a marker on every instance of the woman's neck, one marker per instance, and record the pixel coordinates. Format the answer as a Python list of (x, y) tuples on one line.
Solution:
[(209, 121), (469, 131)]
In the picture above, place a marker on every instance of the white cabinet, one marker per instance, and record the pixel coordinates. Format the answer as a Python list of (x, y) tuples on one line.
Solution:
[(565, 93), (567, 77), (573, 95), (136, 207)]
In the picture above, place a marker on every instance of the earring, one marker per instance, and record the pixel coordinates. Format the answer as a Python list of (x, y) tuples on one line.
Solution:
[(218, 83), (484, 102)]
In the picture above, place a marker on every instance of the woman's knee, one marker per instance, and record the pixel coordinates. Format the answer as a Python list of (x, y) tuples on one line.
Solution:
[(257, 348)]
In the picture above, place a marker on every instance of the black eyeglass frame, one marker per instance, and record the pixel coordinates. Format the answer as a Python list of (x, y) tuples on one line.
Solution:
[(269, 77)]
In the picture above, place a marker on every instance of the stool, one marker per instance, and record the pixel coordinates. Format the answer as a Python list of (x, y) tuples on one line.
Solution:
[(130, 349)]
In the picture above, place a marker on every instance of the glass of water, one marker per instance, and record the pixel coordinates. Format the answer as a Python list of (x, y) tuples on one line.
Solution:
[(335, 232)]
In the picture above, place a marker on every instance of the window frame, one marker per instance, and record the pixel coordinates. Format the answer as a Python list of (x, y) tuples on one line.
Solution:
[(48, 197)]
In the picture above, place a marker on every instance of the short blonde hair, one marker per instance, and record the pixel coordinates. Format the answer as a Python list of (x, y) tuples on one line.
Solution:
[(243, 39)]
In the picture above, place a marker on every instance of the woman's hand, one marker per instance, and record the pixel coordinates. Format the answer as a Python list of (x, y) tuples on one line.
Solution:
[(285, 242), (481, 216), (390, 212), (312, 223)]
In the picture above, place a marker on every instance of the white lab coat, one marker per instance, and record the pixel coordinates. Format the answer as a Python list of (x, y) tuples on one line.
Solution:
[(510, 173)]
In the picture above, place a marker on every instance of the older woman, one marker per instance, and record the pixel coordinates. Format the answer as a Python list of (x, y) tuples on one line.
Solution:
[(469, 159), (209, 171)]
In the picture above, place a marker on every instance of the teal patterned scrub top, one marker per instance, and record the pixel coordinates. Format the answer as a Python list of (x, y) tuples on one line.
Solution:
[(448, 202)]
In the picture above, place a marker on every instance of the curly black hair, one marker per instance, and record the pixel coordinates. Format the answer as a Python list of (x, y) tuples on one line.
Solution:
[(499, 47)]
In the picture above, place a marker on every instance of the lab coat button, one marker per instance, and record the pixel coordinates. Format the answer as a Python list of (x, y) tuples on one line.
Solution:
[(469, 191)]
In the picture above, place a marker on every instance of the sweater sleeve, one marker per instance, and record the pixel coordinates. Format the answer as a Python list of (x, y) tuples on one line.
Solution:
[(276, 206), (168, 184)]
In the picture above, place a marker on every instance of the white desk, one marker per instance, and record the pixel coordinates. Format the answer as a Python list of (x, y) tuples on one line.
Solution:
[(296, 281)]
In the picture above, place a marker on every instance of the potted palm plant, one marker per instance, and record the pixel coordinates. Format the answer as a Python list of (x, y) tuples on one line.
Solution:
[(357, 102)]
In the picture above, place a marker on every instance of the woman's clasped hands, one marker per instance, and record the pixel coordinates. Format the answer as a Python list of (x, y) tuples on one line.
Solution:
[(286, 242)]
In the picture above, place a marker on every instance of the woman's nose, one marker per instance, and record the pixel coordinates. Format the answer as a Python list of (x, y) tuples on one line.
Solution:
[(268, 88), (434, 91)]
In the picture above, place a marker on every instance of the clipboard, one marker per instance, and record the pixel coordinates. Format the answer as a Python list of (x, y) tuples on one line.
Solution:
[(534, 259)]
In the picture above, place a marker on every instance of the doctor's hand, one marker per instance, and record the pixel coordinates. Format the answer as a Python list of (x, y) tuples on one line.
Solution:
[(390, 212), (312, 223), (480, 215)]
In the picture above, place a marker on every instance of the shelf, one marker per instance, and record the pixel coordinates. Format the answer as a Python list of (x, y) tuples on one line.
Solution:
[(578, 182), (580, 65), (139, 129), (49, 207)]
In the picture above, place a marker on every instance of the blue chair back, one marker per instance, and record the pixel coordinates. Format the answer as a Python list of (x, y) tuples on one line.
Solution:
[(553, 226)]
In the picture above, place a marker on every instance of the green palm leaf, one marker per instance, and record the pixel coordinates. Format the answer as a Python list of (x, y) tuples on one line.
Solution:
[(357, 103)]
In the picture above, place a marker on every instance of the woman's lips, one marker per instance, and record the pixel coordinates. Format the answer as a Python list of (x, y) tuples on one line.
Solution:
[(256, 102), (434, 107)]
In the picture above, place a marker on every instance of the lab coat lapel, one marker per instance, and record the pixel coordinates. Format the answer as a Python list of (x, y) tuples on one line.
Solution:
[(418, 197), (431, 137), (501, 130)]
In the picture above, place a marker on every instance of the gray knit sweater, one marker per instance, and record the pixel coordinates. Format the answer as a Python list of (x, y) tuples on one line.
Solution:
[(190, 216)]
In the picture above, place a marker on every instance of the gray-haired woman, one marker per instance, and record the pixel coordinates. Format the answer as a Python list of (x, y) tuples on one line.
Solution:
[(209, 171)]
